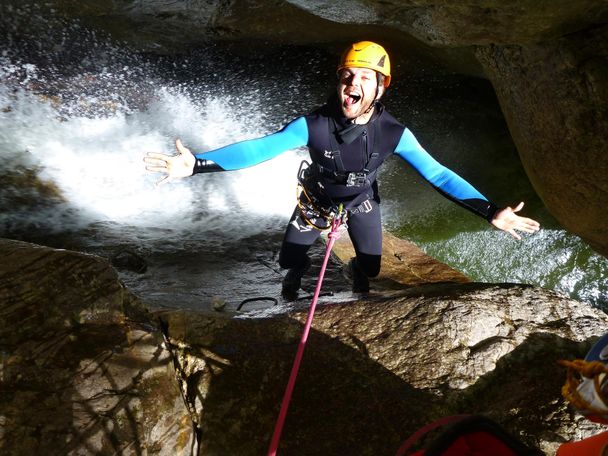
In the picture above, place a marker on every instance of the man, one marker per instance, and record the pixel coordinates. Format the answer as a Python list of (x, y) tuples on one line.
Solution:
[(348, 139)]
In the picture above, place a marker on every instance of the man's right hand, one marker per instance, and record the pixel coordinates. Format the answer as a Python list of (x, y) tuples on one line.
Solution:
[(175, 166)]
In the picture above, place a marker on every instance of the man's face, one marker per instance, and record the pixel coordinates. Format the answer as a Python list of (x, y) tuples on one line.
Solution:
[(356, 90)]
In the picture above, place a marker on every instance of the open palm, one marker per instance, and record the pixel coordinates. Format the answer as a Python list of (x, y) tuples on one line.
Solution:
[(507, 220), (175, 166)]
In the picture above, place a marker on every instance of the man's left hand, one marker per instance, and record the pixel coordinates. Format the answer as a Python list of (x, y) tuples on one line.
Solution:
[(507, 220)]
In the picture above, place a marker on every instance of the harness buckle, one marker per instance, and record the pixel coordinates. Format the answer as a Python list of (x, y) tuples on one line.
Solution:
[(356, 179)]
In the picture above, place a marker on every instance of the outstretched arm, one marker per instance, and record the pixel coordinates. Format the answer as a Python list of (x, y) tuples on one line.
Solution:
[(454, 187), (234, 156)]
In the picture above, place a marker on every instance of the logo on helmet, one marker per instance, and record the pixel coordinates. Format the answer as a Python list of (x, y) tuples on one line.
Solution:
[(381, 62)]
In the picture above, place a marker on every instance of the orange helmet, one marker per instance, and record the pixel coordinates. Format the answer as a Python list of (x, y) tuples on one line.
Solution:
[(366, 54)]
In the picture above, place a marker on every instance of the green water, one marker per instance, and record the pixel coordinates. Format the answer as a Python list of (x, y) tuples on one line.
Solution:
[(460, 122)]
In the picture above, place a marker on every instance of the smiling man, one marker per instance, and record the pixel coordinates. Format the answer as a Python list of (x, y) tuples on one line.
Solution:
[(358, 90), (348, 139)]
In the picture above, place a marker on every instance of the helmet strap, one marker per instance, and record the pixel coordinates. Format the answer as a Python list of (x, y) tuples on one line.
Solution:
[(376, 97)]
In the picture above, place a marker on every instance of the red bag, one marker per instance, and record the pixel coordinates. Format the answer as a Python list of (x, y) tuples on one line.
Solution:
[(591, 446), (467, 435)]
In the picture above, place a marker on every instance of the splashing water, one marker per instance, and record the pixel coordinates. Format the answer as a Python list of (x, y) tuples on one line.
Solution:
[(96, 161), (78, 113), (86, 116), (73, 134)]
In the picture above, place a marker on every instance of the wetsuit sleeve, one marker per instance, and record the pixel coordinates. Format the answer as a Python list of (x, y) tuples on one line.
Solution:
[(253, 151), (444, 180)]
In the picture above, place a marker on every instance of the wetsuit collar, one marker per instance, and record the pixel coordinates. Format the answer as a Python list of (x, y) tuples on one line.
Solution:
[(350, 133)]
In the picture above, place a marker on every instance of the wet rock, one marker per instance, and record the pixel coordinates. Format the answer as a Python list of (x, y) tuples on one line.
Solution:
[(377, 369), (23, 188), (466, 23), (297, 21), (403, 263), (555, 99), (83, 366), (128, 259), (86, 369)]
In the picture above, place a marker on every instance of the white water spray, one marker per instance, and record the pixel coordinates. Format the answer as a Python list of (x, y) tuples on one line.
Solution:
[(96, 162)]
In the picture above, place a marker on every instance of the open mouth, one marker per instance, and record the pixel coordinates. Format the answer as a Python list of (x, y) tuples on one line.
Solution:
[(352, 98)]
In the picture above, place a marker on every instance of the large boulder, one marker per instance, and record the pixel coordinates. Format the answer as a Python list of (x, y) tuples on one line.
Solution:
[(84, 369), (378, 368), (167, 24), (555, 99), (475, 22)]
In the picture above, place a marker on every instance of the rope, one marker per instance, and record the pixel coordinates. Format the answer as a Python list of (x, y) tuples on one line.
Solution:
[(278, 428), (581, 368)]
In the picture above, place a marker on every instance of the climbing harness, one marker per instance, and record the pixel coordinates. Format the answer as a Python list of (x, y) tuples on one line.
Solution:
[(333, 235), (316, 207), (347, 135)]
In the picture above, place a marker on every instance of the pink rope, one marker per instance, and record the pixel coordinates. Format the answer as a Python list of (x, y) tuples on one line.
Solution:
[(278, 427)]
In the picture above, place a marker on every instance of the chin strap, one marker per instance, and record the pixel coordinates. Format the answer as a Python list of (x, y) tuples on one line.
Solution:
[(376, 97), (372, 105)]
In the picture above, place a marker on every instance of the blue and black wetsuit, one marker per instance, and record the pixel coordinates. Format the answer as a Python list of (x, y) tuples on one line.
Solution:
[(338, 149)]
